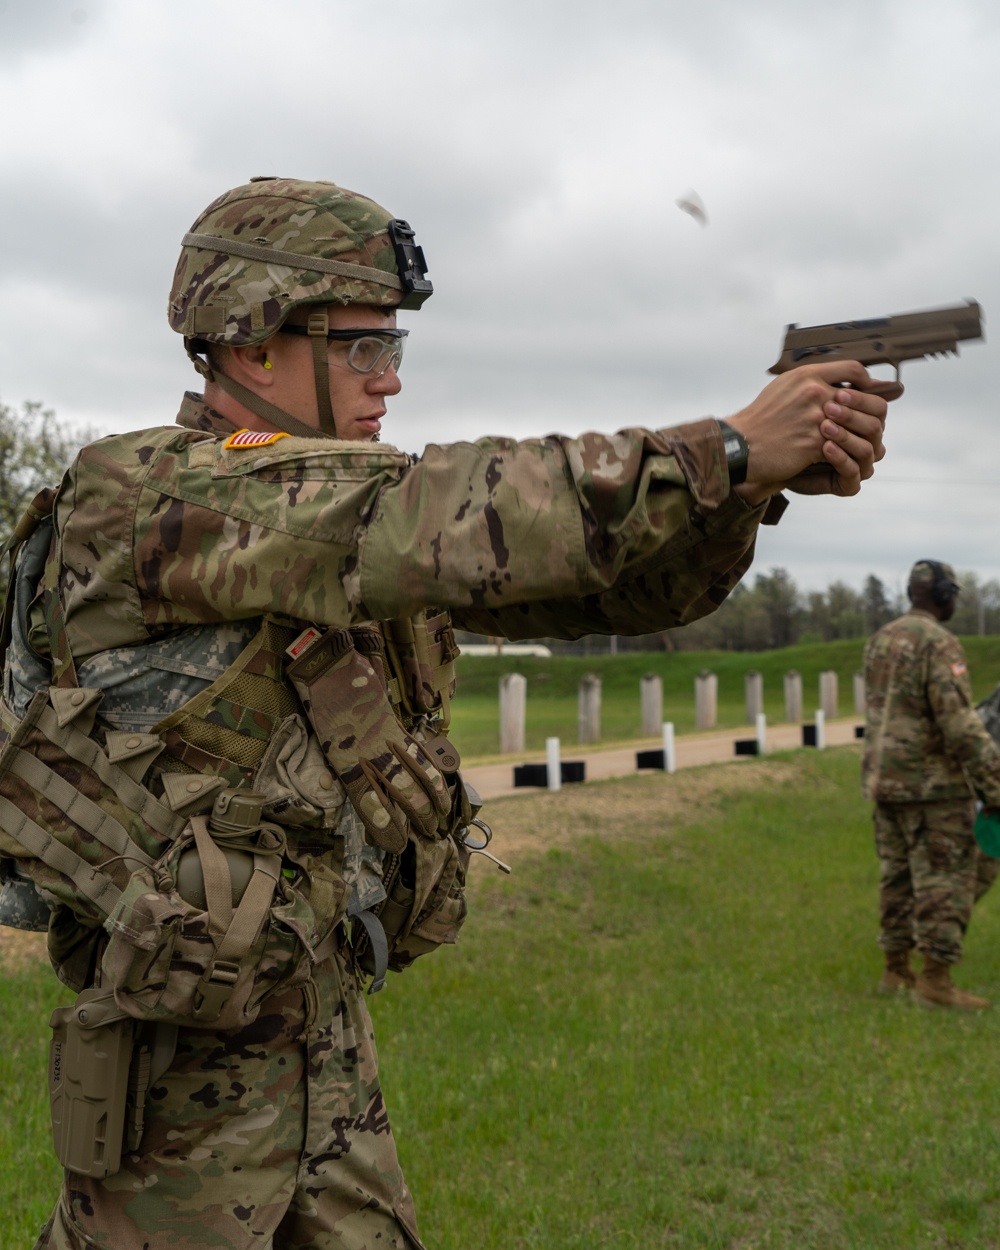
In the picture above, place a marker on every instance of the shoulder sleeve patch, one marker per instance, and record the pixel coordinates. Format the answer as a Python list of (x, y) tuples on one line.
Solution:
[(252, 438), (958, 668)]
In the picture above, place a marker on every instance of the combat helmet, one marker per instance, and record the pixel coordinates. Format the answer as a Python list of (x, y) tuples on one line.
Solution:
[(274, 245), (935, 577)]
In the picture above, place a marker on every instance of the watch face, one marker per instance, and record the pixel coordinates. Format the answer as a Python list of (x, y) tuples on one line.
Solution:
[(736, 453)]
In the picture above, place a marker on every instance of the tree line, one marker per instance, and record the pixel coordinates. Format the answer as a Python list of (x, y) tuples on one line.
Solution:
[(770, 611), (774, 612), (35, 450)]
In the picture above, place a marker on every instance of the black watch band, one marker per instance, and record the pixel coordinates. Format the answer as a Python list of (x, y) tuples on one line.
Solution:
[(737, 453)]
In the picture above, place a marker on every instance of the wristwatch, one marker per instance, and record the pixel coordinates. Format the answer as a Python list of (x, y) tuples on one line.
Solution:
[(737, 453)]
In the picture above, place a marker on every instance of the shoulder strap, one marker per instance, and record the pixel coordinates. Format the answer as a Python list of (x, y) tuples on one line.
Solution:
[(63, 668), (35, 513)]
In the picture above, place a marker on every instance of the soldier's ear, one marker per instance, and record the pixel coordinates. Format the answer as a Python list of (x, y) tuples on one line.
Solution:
[(250, 365)]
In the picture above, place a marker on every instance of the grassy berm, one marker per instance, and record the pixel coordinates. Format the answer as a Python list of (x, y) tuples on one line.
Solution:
[(553, 682), (660, 1031)]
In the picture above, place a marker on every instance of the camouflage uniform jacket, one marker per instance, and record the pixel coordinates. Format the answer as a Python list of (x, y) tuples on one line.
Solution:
[(924, 741), (165, 529)]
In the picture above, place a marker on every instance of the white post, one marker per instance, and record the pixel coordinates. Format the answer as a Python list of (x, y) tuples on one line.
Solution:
[(793, 696), (651, 704), (706, 700), (753, 684), (828, 694), (588, 720), (761, 733), (859, 694), (513, 701), (669, 753), (820, 730), (554, 767)]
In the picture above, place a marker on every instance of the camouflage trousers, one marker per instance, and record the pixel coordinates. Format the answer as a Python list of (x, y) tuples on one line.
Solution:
[(274, 1137), (932, 872)]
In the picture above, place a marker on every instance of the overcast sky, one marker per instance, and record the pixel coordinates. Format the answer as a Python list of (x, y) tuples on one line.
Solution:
[(846, 154)]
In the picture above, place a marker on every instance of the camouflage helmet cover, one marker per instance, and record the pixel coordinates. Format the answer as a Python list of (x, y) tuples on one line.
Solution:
[(933, 575), (241, 288)]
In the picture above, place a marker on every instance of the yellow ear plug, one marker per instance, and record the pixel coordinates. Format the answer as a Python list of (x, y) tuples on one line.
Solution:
[(267, 364)]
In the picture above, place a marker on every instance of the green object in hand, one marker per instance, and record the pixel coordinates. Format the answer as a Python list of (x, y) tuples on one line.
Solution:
[(987, 829)]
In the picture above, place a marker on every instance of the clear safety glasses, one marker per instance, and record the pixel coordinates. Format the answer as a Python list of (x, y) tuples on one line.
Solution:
[(367, 351)]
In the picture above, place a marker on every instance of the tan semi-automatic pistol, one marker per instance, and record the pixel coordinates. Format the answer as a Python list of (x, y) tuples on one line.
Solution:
[(882, 340)]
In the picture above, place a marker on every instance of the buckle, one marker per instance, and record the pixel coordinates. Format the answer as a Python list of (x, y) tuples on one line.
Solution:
[(214, 989)]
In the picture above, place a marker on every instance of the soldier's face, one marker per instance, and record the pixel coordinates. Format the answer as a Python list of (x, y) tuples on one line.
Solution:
[(358, 399)]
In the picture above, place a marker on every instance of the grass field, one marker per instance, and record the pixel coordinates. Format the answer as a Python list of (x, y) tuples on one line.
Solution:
[(664, 1033), (661, 1031), (552, 688)]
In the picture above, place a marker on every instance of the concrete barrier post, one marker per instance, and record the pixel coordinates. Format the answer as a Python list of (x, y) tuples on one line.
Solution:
[(513, 702), (828, 694), (820, 729), (669, 750), (761, 733), (753, 684), (793, 696), (706, 700), (553, 764), (860, 703), (651, 703), (588, 720)]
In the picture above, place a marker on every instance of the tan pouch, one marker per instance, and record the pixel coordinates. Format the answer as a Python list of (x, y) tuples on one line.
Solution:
[(422, 652), (204, 948), (388, 775), (425, 905)]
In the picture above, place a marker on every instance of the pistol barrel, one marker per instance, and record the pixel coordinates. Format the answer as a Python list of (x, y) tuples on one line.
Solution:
[(890, 340)]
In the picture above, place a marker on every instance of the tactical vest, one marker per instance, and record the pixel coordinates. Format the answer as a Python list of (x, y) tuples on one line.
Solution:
[(107, 774)]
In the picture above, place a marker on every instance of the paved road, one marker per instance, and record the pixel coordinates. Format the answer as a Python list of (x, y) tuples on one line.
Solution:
[(496, 780)]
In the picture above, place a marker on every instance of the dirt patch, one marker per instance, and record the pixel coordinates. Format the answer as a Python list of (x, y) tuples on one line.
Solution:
[(628, 806), (19, 949)]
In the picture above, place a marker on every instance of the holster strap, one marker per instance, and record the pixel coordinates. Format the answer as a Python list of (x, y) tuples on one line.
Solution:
[(379, 947)]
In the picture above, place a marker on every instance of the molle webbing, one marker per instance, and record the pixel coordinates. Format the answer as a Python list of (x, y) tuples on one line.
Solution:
[(93, 884), (59, 793), (226, 729), (135, 797), (421, 653)]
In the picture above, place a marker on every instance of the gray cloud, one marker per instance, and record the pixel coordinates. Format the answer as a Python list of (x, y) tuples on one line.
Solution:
[(28, 29)]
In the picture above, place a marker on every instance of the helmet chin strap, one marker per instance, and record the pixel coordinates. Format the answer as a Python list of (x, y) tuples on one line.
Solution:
[(274, 415), (318, 325)]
